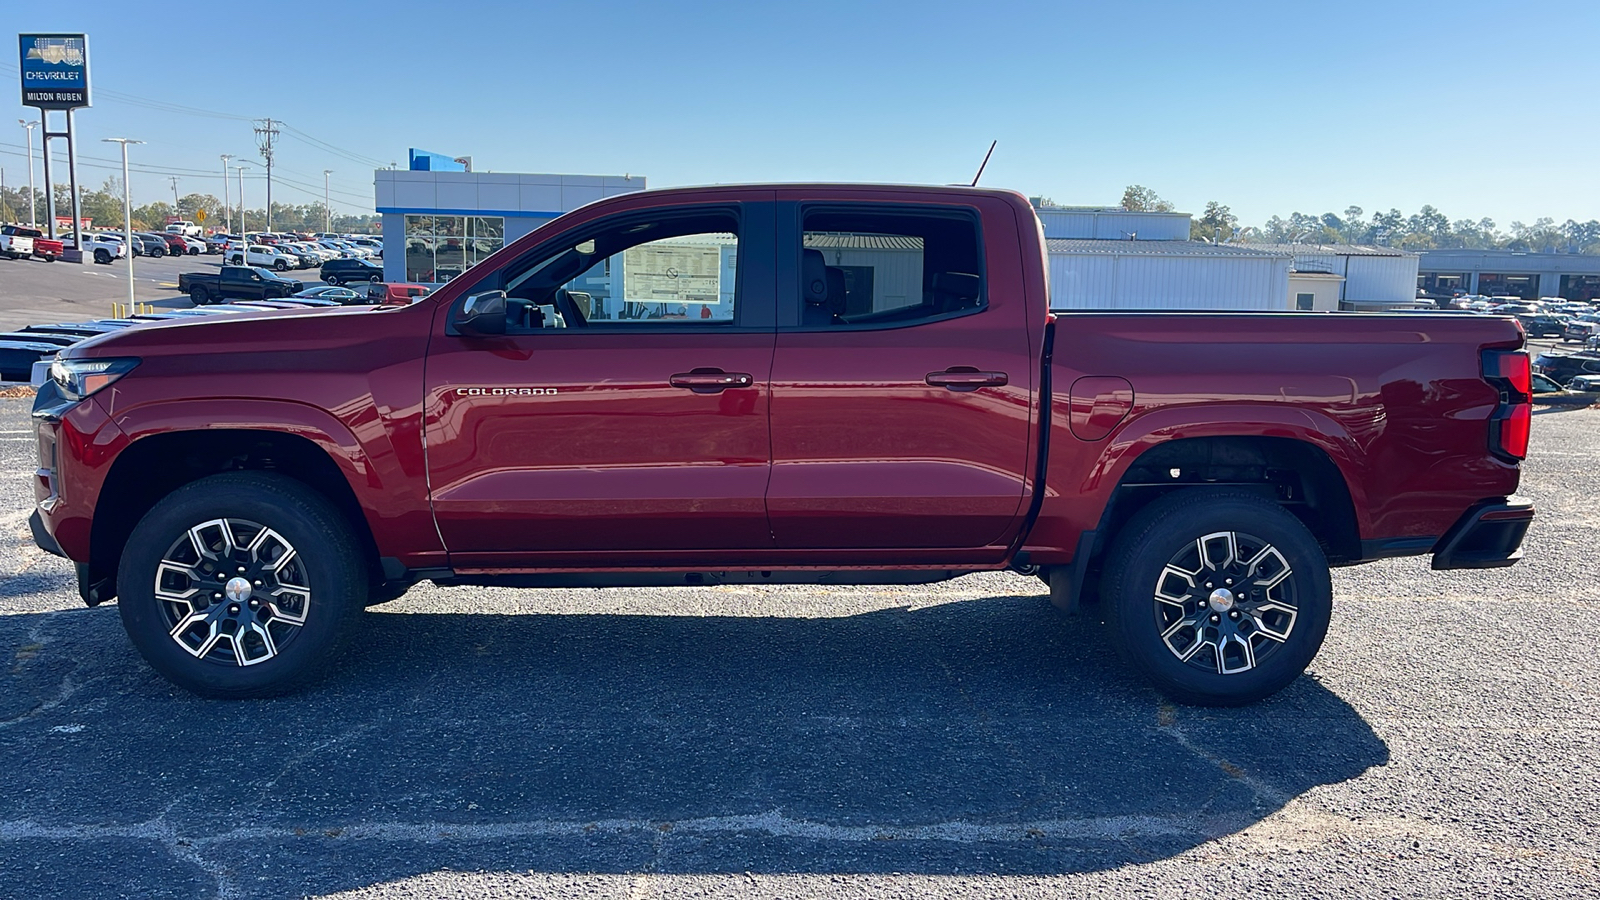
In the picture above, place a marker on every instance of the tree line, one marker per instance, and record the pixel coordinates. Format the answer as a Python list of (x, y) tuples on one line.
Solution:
[(1427, 229), (104, 207)]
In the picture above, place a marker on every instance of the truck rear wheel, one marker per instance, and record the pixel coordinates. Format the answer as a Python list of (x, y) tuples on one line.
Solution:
[(241, 585), (1219, 597), (198, 296), (102, 257)]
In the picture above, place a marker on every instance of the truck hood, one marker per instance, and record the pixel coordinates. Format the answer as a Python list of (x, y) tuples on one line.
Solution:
[(276, 331)]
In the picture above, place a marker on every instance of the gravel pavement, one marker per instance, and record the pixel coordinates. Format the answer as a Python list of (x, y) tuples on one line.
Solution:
[(953, 740)]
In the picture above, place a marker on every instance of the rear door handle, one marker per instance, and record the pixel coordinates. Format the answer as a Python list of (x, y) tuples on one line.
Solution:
[(710, 381), (966, 378)]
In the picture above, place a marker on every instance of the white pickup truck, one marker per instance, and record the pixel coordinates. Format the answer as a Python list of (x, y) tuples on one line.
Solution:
[(103, 248), (16, 246)]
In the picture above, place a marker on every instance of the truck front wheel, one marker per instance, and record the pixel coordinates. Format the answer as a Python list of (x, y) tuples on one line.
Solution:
[(1219, 597), (240, 585)]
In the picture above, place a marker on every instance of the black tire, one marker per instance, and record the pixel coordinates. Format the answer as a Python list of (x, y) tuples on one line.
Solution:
[(1140, 564), (194, 251), (198, 296), (331, 280), (331, 568), (103, 257), (375, 279), (236, 261), (280, 265)]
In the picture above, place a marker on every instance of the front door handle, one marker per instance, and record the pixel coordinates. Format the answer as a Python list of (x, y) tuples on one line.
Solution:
[(966, 378), (710, 381)]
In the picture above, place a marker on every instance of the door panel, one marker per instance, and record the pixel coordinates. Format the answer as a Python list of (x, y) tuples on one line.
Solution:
[(627, 412), (608, 455), (867, 453)]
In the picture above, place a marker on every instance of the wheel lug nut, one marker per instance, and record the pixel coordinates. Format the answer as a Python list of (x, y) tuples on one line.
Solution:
[(1234, 614), (233, 609), (1209, 585), (222, 576), (1230, 581), (241, 570), (258, 584), (1240, 596), (1215, 618), (216, 596)]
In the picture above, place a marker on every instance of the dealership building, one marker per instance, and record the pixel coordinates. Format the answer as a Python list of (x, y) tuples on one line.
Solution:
[(1509, 273), (437, 224)]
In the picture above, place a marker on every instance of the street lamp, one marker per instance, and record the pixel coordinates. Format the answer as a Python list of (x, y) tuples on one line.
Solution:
[(327, 211), (243, 242), (127, 212), (227, 210), (33, 200)]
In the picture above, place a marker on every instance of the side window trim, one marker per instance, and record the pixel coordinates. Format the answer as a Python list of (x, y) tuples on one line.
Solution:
[(789, 244)]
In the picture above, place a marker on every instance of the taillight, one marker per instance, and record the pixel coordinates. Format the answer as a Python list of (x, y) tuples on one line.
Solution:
[(1509, 371)]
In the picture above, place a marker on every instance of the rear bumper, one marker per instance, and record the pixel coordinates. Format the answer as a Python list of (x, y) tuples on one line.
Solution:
[(1487, 536)]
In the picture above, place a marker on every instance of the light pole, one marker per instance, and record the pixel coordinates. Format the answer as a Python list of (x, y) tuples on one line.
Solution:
[(327, 211), (243, 241), (33, 200), (127, 212), (227, 209)]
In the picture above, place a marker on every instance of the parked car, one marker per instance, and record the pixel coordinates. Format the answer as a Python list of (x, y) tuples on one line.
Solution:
[(789, 437), (263, 255), (1581, 329), (216, 242), (187, 229), (176, 245), (1541, 325), (1563, 367), (345, 271), (147, 245), (196, 245), (236, 282), (397, 294), (101, 249), (303, 258), (17, 357), (342, 295)]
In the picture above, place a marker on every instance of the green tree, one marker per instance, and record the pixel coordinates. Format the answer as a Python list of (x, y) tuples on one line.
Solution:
[(1217, 223), (1138, 198)]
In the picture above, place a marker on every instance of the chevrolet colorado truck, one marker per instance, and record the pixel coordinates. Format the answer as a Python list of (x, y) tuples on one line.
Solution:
[(770, 385)]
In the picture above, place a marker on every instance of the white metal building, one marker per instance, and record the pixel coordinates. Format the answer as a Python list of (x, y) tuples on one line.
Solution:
[(1374, 278), (1089, 274)]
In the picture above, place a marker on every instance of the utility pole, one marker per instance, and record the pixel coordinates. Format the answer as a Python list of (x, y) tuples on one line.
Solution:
[(174, 180), (127, 211), (227, 209), (266, 133), (327, 210), (33, 198)]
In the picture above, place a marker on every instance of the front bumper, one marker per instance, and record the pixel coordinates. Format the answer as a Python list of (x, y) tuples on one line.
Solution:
[(44, 538), (1487, 536)]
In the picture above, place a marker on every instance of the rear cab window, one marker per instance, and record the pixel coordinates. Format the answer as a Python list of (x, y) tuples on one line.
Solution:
[(871, 266)]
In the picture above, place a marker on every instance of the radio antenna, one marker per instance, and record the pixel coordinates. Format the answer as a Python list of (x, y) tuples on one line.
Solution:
[(985, 163)]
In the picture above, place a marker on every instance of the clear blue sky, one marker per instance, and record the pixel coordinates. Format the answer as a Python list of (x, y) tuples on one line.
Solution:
[(1480, 108)]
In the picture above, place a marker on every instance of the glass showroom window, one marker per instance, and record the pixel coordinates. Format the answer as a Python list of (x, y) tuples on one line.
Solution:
[(438, 248)]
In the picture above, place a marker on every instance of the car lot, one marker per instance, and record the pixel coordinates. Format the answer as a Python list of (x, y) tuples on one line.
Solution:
[(949, 740), (33, 292)]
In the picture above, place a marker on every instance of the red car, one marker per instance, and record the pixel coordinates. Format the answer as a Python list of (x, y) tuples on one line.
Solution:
[(837, 384)]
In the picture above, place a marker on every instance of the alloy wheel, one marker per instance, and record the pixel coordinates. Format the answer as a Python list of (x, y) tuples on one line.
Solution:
[(1225, 603), (233, 592)]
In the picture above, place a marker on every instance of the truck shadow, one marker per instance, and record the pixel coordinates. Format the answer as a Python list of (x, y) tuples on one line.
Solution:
[(985, 735)]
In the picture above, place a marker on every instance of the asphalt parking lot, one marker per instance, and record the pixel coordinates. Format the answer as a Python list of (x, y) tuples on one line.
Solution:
[(34, 292), (955, 740)]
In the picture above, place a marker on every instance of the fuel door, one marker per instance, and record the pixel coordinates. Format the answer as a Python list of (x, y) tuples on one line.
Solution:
[(1099, 403)]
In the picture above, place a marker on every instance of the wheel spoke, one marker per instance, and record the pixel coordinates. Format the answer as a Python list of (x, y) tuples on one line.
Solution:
[(1229, 545), (1246, 651)]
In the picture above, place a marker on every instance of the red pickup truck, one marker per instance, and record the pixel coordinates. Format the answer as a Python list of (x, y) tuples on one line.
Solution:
[(774, 384)]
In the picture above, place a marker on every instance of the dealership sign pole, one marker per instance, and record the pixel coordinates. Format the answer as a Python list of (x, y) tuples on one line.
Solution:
[(55, 75)]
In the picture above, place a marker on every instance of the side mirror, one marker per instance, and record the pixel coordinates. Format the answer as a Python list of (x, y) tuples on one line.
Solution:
[(482, 315)]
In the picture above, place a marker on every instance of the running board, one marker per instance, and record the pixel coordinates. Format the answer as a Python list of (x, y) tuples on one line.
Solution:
[(692, 579)]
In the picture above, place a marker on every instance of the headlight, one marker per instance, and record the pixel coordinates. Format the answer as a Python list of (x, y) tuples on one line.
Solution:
[(79, 378)]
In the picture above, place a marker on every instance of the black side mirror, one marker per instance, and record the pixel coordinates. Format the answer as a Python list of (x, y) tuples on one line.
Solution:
[(482, 315)]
